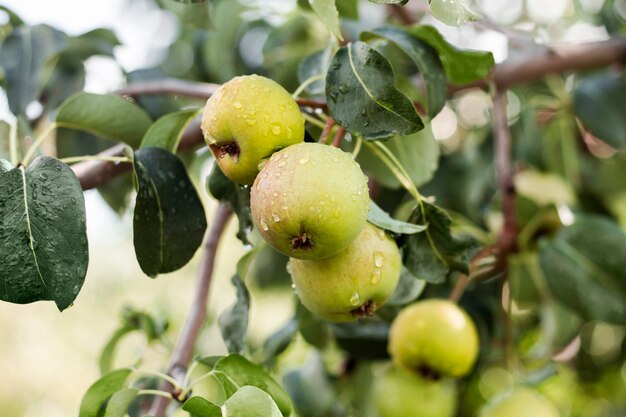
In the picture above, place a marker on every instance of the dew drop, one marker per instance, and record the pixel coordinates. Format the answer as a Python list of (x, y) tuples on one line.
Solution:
[(275, 217), (379, 258), (275, 194), (355, 299), (282, 164), (375, 277), (276, 128), (264, 226), (293, 286), (250, 122), (353, 197), (277, 175), (237, 105), (304, 161)]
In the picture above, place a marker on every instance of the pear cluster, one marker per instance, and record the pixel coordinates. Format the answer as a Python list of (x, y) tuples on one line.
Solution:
[(309, 201)]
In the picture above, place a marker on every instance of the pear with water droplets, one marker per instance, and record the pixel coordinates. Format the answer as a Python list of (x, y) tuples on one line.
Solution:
[(246, 120), (310, 201), (352, 284)]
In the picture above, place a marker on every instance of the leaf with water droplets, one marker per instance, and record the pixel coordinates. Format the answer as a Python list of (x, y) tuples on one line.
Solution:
[(234, 321), (169, 220), (362, 97), (433, 254), (43, 237)]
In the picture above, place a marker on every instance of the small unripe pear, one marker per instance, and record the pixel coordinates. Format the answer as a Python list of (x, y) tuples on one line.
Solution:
[(434, 337), (246, 120), (310, 201), (402, 393), (352, 284), (521, 402)]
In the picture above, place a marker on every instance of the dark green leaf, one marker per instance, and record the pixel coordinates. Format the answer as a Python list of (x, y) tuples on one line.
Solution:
[(44, 248), (584, 266), (67, 78), (243, 372), (311, 390), (169, 220), (362, 98), (418, 153), (348, 9), (599, 103), (238, 197), (383, 220), (23, 57), (95, 42), (167, 131), (314, 64), (461, 66), (426, 59), (328, 14), (313, 330), (234, 321), (363, 340), (199, 407), (108, 116), (120, 401), (251, 402), (433, 254), (101, 390), (14, 19), (280, 340)]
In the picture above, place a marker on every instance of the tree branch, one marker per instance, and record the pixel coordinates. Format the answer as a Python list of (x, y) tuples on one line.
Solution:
[(557, 60), (183, 352), (504, 174)]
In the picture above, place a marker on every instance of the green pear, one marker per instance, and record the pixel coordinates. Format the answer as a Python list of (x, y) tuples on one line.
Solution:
[(521, 402), (310, 201), (434, 337), (246, 120), (402, 393), (353, 283)]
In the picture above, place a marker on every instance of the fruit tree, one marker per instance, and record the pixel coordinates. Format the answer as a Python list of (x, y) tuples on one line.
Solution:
[(435, 188)]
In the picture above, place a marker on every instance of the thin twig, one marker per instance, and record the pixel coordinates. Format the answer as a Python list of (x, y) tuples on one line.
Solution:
[(183, 352), (328, 126), (339, 135), (504, 174)]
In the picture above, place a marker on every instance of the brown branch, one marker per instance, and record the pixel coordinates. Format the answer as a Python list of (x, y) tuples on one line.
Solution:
[(183, 352), (504, 174), (339, 135), (170, 86), (328, 126)]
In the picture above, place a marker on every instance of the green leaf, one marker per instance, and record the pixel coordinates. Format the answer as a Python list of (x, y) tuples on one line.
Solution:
[(243, 372), (313, 330), (584, 266), (328, 14), (190, 1), (95, 42), (169, 220), (364, 339), (14, 19), (426, 59), (408, 289), (278, 341), (101, 390), (362, 98), (238, 197), (599, 103), (312, 393), (418, 153), (44, 248), (314, 64), (234, 321), (199, 407), (461, 66), (433, 254), (251, 402), (67, 78), (108, 352), (120, 401), (382, 219), (108, 116), (23, 57), (167, 131), (452, 12)]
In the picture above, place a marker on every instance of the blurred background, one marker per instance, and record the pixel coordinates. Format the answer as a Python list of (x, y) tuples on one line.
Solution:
[(47, 358)]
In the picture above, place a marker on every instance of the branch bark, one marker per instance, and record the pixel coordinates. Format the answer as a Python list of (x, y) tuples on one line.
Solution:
[(183, 352)]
